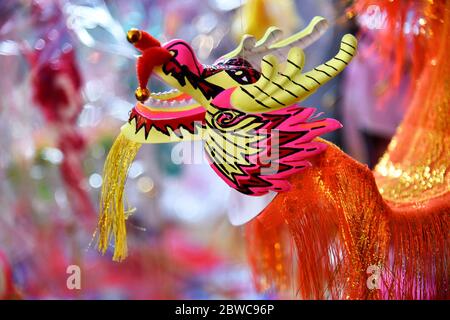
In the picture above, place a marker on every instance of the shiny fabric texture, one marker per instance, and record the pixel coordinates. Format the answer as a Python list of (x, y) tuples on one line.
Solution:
[(344, 232)]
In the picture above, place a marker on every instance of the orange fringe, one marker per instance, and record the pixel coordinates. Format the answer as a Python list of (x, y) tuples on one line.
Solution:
[(393, 44), (340, 226), (341, 218)]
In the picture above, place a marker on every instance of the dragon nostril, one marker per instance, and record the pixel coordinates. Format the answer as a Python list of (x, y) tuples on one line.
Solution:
[(134, 35), (142, 94)]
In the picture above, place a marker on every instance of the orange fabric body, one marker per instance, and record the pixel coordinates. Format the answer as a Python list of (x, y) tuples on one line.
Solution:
[(340, 225), (319, 239)]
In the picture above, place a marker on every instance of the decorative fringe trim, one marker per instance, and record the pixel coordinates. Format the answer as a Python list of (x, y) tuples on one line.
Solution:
[(350, 242), (343, 232), (111, 223), (273, 251), (419, 256)]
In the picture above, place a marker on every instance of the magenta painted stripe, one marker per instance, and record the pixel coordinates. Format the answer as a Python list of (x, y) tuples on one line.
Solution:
[(165, 115)]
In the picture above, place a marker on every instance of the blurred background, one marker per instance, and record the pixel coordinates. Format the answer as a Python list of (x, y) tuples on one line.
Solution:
[(67, 84)]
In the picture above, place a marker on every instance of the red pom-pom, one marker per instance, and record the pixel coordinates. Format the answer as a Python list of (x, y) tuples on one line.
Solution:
[(142, 40), (152, 54), (150, 58)]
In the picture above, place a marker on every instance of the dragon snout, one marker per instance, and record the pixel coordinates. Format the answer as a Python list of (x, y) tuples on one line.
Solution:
[(152, 55)]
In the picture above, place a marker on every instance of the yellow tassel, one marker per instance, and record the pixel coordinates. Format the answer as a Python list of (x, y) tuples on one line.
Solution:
[(111, 223)]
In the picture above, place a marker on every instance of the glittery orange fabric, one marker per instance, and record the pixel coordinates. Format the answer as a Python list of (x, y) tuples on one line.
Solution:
[(318, 240), (340, 225)]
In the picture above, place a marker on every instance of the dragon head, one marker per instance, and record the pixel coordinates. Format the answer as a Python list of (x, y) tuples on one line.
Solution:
[(244, 108)]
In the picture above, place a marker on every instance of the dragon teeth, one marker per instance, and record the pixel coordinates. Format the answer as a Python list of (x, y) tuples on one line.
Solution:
[(164, 93), (159, 103)]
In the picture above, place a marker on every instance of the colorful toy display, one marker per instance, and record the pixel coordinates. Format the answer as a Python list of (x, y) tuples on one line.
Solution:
[(223, 153)]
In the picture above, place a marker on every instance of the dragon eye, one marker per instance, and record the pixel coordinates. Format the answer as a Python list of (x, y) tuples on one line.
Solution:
[(238, 73)]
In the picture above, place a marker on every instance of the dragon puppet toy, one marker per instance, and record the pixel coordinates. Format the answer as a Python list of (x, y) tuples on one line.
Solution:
[(258, 140)]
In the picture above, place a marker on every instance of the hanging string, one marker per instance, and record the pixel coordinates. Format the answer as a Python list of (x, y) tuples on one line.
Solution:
[(242, 32)]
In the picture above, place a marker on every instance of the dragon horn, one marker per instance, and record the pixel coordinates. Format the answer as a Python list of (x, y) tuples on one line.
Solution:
[(328, 70)]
